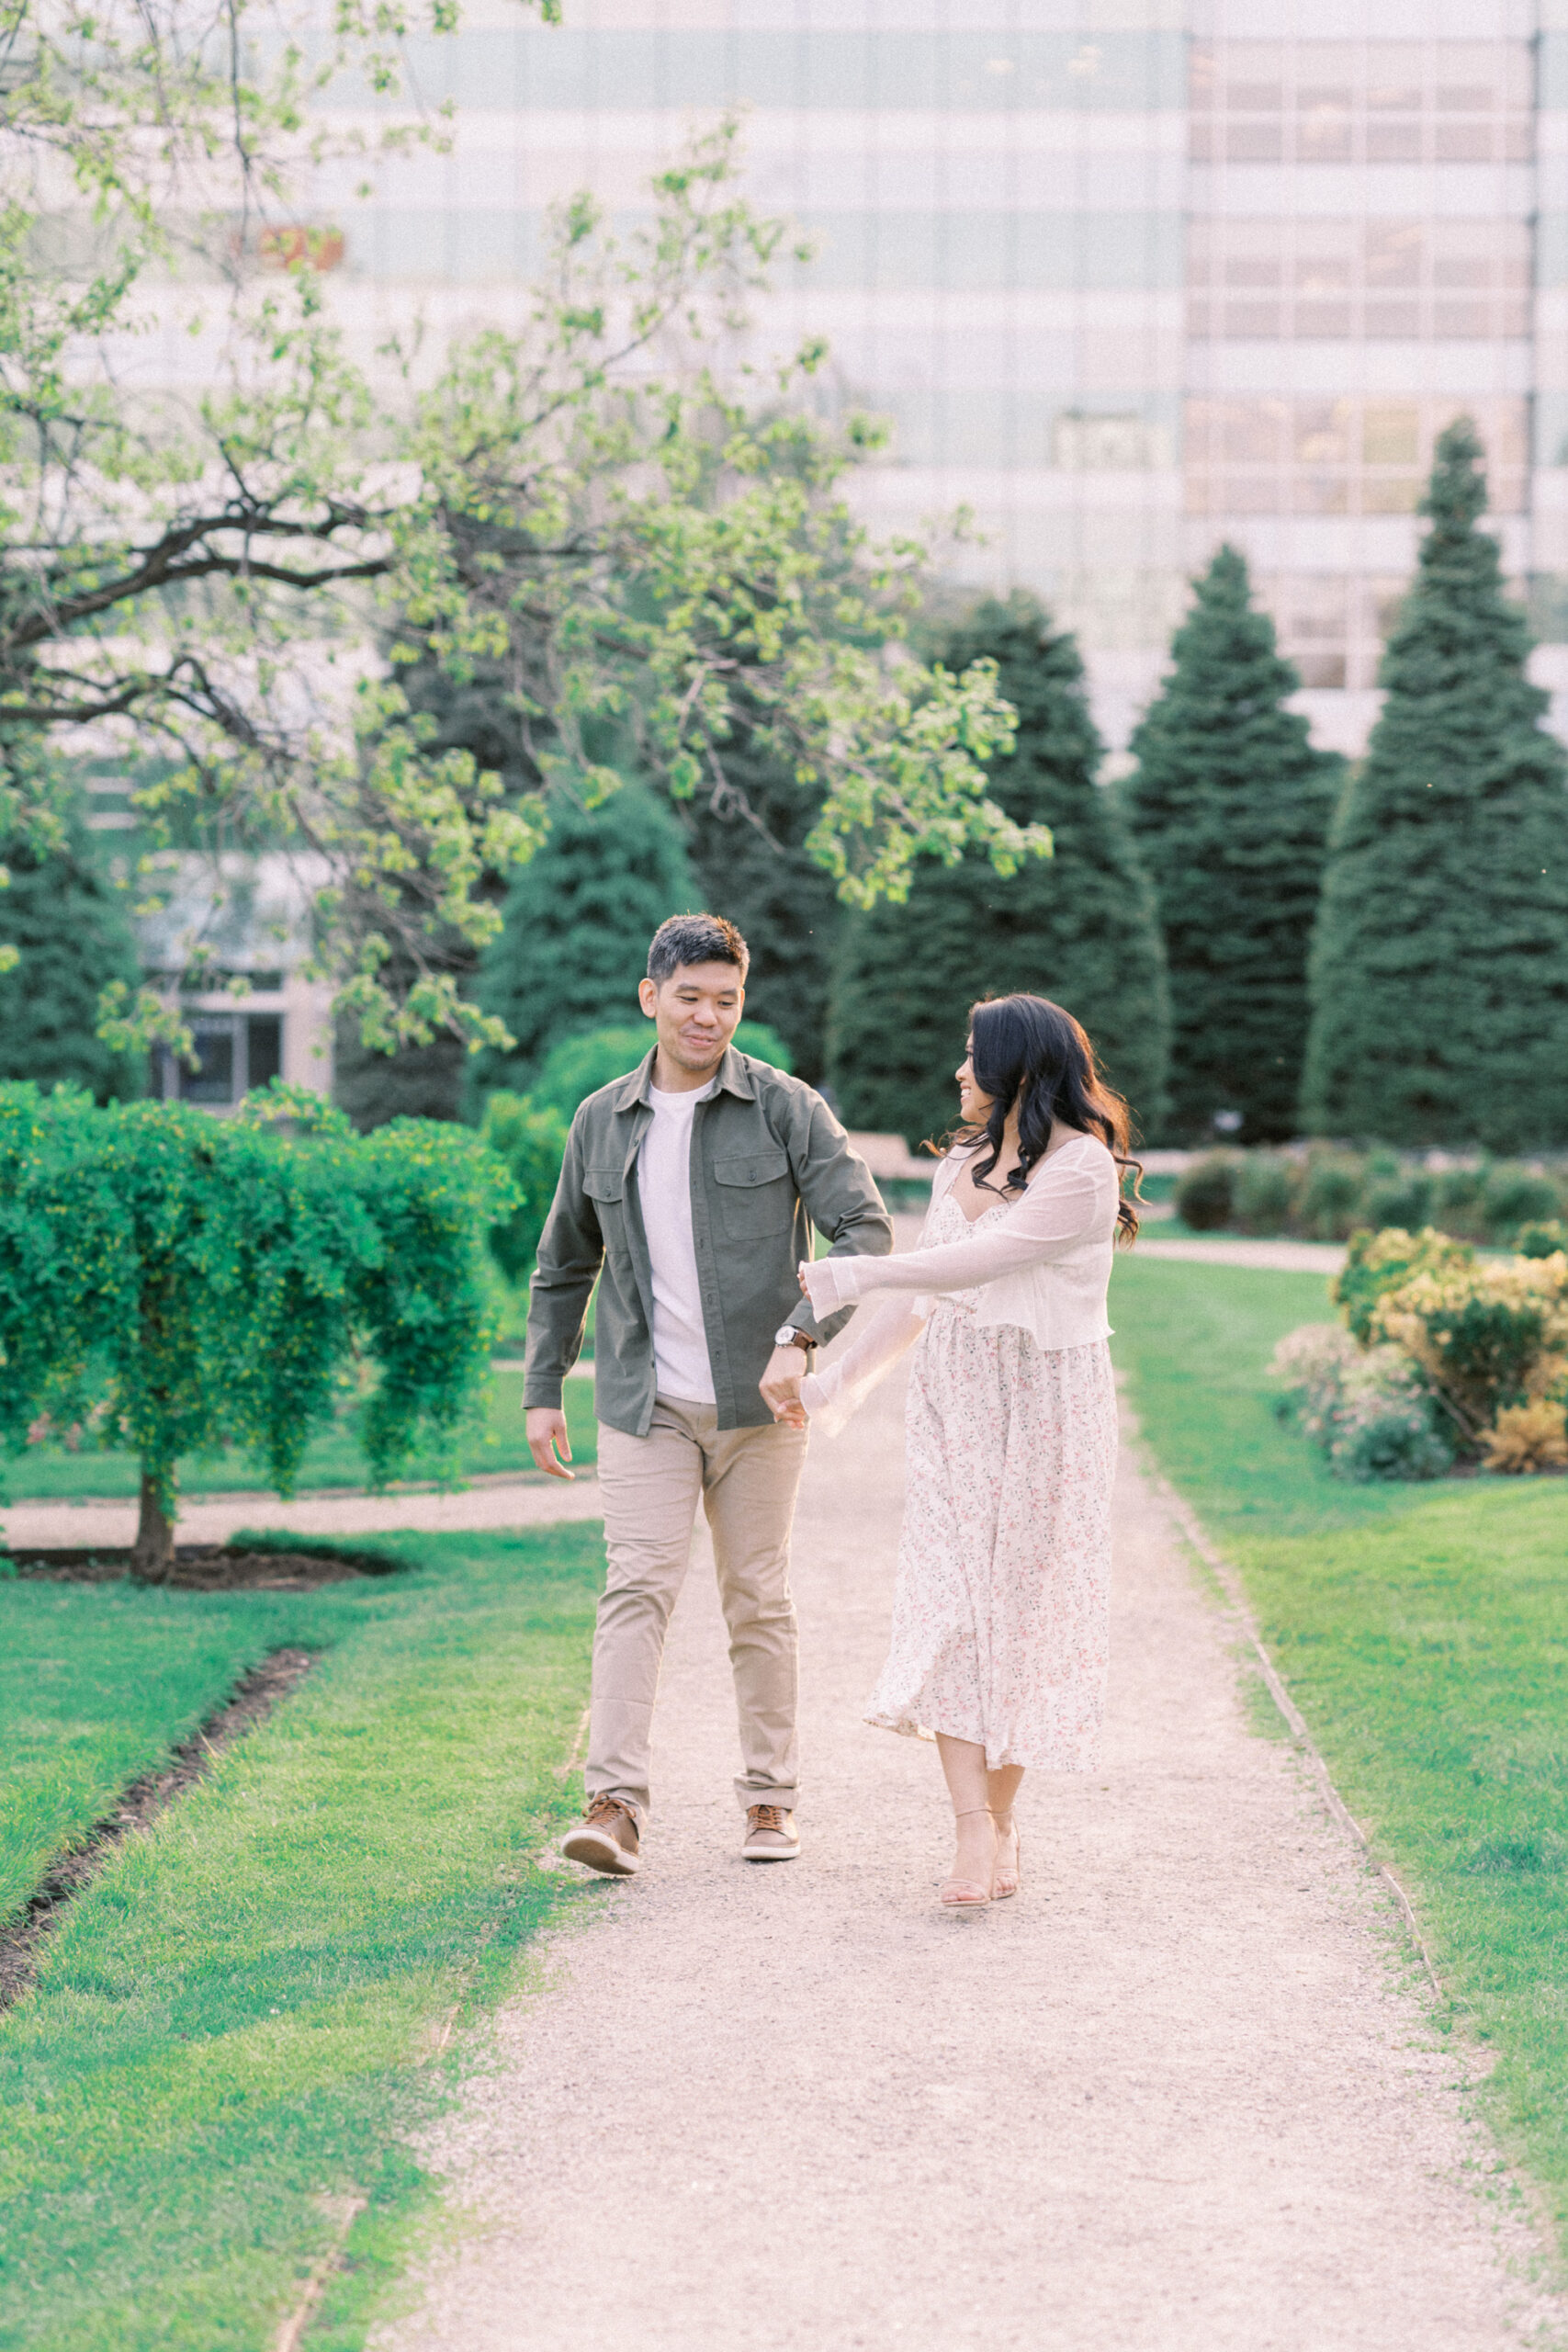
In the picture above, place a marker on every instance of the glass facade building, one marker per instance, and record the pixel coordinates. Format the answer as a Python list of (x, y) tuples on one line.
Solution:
[(1128, 278)]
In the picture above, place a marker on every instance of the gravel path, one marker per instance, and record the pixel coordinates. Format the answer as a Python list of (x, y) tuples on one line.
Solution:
[(1281, 1257), (1177, 2097), (215, 1520)]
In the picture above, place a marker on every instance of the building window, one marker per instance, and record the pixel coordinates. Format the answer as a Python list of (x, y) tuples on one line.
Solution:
[(211, 1080), (1332, 626), (1082, 441), (1361, 102), (1343, 456), (263, 1050), (234, 1052), (1357, 280)]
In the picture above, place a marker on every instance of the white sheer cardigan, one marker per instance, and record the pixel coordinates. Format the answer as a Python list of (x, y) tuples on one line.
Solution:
[(1045, 1266)]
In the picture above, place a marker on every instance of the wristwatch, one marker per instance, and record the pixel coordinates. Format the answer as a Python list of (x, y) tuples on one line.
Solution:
[(786, 1336)]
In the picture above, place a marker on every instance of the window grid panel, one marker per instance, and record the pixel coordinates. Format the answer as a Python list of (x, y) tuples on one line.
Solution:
[(1361, 102), (1337, 280), (1339, 457), (1332, 626), (569, 68)]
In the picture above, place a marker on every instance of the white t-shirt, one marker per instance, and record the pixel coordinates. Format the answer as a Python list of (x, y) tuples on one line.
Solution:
[(680, 1367)]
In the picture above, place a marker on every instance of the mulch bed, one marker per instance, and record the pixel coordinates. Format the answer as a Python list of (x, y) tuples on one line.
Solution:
[(207, 1567), (252, 1701)]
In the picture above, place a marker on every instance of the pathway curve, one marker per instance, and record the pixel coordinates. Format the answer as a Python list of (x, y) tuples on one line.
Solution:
[(1177, 2097)]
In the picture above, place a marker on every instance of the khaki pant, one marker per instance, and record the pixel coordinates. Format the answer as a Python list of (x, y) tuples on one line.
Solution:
[(747, 1480)]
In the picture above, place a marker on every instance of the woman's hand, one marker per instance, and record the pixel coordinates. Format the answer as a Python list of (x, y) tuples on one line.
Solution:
[(780, 1386)]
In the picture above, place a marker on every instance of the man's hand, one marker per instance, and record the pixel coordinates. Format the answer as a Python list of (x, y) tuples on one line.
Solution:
[(547, 1440), (780, 1386)]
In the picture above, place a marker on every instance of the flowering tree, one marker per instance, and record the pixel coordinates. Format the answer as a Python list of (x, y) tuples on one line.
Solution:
[(234, 589)]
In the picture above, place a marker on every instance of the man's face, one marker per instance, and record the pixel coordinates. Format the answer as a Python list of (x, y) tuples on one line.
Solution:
[(696, 1011)]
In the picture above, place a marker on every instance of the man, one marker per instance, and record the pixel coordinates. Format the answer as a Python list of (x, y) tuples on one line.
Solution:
[(688, 1191)]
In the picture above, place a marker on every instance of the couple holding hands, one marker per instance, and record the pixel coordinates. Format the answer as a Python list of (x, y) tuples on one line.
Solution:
[(689, 1191)]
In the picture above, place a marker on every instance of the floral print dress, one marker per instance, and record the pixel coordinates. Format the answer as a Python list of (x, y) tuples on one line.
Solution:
[(1000, 1615)]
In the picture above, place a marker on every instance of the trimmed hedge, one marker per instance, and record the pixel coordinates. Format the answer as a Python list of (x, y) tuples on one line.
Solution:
[(1325, 1194)]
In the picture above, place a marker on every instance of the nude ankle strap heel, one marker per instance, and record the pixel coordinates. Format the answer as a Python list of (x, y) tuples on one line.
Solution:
[(964, 1894), (1003, 1885)]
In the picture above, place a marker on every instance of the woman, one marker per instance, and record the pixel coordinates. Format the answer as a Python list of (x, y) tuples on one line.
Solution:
[(1000, 1621)]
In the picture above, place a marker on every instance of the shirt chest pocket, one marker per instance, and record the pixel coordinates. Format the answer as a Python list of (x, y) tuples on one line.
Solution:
[(605, 1187), (756, 1195)]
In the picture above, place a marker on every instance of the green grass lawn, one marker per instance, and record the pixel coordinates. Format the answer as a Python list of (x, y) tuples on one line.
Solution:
[(1424, 1634), (232, 2026), (49, 1472), (97, 1685)]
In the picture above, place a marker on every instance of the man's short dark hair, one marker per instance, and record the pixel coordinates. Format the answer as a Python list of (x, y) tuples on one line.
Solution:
[(696, 939)]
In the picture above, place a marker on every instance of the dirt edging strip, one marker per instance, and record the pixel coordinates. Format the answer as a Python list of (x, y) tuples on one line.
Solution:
[(257, 1566), (250, 1704), (342, 2212)]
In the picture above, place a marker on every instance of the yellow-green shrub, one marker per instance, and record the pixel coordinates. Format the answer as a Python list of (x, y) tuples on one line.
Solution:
[(1377, 1262), (1488, 1338), (1529, 1437)]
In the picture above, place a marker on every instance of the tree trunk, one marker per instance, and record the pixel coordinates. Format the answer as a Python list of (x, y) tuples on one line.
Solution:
[(152, 1554)]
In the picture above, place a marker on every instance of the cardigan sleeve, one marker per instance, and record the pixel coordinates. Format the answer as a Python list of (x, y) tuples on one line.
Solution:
[(1062, 1208), (880, 1336), (877, 1339)]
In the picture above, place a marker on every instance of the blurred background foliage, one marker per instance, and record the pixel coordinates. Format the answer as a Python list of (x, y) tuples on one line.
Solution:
[(1326, 1194), (73, 937), (575, 927)]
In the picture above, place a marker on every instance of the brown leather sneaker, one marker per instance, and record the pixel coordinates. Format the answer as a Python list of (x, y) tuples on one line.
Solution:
[(605, 1838), (771, 1834)]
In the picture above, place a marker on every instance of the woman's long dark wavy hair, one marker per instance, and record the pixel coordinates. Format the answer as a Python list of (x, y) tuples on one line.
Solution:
[(1028, 1050)]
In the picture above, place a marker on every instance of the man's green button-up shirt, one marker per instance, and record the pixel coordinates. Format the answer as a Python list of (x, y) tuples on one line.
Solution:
[(769, 1161)]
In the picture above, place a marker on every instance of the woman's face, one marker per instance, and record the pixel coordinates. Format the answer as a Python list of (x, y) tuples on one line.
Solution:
[(973, 1106)]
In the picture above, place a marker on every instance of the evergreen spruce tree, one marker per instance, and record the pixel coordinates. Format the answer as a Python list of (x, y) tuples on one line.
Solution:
[(75, 937), (1231, 806), (1078, 927), (1439, 968), (576, 925)]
